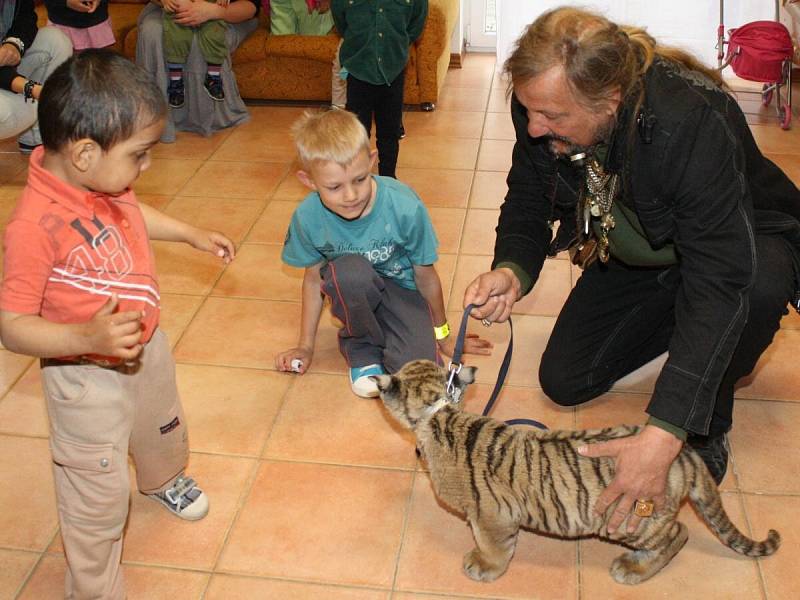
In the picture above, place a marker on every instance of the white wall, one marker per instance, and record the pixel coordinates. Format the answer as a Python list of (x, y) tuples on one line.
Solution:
[(457, 41), (691, 24)]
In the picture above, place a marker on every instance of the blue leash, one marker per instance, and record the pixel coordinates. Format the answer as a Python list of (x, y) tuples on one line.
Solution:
[(455, 367)]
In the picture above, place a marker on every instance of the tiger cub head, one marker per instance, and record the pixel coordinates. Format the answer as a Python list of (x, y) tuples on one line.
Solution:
[(419, 389)]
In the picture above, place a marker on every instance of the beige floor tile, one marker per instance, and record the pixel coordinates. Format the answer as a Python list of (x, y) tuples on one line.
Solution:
[(703, 569), (498, 102), (142, 583), (446, 267), (759, 429), (27, 497), (166, 176), (290, 187), (256, 180), (519, 403), (771, 139), (446, 188), (14, 568), (323, 421), (489, 189), (192, 145), (23, 410), (463, 99), (230, 411), (322, 523), (12, 366), (498, 126), (231, 216), (177, 311), (272, 119), (495, 155), (431, 152), (776, 375), (158, 201), (252, 332), (791, 321), (448, 224), (258, 272), (257, 145), (479, 234), (446, 123), (272, 225), (227, 587), (436, 540), (156, 537), (474, 74), (781, 577), (184, 270), (789, 164)]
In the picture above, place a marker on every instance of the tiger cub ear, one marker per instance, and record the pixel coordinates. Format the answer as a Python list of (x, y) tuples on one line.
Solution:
[(384, 382)]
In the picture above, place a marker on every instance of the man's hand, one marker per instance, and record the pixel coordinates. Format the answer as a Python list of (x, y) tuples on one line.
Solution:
[(472, 345), (113, 333), (9, 55), (496, 291), (641, 464)]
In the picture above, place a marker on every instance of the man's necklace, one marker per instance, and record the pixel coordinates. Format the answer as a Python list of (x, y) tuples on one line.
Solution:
[(601, 189)]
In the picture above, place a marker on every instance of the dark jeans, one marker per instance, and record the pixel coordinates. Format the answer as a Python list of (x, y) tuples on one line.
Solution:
[(386, 103), (618, 318)]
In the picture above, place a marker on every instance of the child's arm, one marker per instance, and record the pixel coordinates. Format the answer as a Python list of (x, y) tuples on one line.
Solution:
[(108, 333), (165, 228), (309, 321), (430, 287)]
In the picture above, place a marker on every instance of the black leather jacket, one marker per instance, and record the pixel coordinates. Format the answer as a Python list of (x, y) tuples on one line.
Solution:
[(695, 177)]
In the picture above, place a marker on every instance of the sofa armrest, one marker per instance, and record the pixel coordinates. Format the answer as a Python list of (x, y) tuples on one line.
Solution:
[(433, 47)]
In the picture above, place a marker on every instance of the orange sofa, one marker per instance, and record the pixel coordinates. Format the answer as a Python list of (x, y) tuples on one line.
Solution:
[(296, 67)]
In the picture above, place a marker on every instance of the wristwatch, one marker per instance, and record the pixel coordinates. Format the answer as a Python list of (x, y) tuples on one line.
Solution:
[(17, 43)]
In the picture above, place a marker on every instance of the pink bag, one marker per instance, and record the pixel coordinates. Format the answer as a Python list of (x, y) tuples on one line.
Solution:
[(756, 51)]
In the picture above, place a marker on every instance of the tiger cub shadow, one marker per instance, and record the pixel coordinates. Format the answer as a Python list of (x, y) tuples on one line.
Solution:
[(503, 478)]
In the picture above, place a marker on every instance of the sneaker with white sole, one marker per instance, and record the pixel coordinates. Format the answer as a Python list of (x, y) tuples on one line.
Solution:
[(184, 499), (361, 383)]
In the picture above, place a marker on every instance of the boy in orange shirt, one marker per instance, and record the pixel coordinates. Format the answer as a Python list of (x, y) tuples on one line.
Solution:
[(80, 292)]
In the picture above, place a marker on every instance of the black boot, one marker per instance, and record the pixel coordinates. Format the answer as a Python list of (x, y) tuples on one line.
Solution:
[(714, 452)]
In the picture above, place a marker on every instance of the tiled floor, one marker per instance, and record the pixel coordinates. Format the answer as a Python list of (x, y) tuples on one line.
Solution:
[(314, 492)]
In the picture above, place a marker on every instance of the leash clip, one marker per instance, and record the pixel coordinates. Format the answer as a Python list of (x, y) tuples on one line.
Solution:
[(452, 390)]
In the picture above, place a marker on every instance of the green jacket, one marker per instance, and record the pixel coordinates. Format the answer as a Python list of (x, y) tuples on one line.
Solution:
[(377, 34)]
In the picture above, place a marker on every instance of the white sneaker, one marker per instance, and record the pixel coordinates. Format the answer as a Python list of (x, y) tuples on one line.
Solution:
[(184, 499), (361, 383)]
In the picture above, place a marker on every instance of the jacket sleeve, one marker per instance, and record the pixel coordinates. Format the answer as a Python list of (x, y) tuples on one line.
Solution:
[(523, 230), (703, 173), (24, 24), (417, 22)]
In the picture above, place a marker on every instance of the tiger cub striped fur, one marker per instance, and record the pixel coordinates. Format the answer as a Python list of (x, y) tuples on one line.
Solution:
[(503, 478)]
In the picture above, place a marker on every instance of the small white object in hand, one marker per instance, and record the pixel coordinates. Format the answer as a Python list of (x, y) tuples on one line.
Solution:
[(296, 365)]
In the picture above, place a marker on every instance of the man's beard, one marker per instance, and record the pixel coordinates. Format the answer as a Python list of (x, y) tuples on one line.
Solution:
[(602, 134)]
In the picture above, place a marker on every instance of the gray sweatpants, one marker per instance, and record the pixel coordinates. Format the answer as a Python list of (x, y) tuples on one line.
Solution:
[(384, 323)]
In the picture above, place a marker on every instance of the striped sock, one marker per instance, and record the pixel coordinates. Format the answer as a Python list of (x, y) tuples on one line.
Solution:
[(214, 70), (175, 71)]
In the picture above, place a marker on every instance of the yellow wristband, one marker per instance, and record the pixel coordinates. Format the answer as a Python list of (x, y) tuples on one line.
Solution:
[(442, 332)]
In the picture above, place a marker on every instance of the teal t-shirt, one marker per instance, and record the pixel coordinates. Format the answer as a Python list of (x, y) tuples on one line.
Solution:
[(396, 235)]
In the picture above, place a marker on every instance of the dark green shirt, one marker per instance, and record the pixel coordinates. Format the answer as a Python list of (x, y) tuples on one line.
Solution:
[(377, 34)]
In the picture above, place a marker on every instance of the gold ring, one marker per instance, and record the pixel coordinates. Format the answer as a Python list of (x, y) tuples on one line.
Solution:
[(643, 508)]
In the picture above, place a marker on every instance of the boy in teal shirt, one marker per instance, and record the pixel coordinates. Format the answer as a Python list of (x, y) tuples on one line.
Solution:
[(367, 244)]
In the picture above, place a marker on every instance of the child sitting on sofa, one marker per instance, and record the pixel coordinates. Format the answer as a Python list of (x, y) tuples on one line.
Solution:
[(86, 22)]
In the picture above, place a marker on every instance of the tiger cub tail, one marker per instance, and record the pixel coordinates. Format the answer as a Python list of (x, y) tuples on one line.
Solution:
[(706, 499)]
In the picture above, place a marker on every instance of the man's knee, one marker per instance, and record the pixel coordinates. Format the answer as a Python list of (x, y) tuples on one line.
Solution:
[(557, 383)]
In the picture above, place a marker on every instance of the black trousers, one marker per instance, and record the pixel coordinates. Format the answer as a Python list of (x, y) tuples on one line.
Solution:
[(385, 102), (618, 318)]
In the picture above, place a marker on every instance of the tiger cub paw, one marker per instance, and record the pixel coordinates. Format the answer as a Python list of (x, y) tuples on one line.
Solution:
[(477, 568), (631, 568)]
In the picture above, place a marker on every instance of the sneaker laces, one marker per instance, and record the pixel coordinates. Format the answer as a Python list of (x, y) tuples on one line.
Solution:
[(183, 492)]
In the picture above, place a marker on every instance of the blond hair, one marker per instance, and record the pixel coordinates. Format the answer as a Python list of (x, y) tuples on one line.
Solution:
[(599, 57), (329, 135)]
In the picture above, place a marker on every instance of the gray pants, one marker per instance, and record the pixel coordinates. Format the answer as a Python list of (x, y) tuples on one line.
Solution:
[(384, 323), (50, 48)]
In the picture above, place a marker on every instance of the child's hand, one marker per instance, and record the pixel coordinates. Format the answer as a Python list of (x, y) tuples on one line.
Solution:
[(113, 333), (223, 3), (84, 6), (170, 6), (283, 361), (472, 345), (215, 243)]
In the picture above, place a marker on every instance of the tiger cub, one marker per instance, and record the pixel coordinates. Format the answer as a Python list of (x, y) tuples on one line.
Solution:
[(503, 478)]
